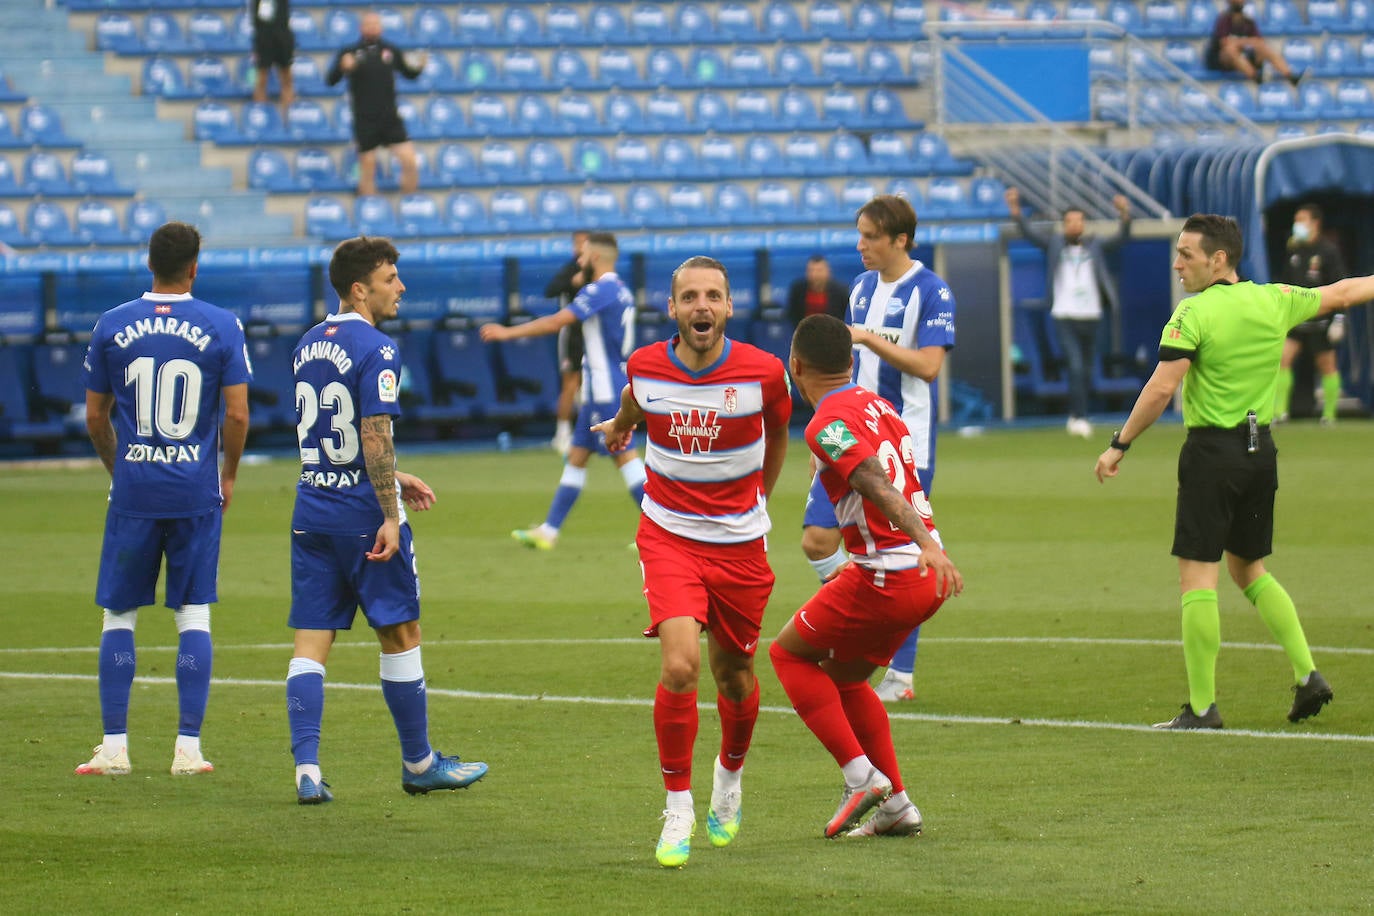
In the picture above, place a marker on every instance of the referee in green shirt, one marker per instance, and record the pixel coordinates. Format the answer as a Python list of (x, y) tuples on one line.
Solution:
[(1223, 345)]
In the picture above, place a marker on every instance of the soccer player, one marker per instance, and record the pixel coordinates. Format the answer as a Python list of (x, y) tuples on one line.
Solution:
[(901, 316), (350, 542), (897, 578), (1223, 346), (159, 372), (605, 309), (564, 286), (716, 413)]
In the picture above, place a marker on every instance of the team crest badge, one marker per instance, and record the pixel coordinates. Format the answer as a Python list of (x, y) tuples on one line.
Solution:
[(331, 330), (163, 309), (731, 399)]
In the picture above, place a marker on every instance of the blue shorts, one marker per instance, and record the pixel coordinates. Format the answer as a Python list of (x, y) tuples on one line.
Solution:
[(820, 511), (131, 556), (588, 415), (331, 577)]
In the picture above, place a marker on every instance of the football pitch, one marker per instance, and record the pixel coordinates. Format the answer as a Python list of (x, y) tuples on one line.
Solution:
[(1028, 748)]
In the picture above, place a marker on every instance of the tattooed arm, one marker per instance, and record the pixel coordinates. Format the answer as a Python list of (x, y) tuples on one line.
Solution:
[(380, 456), (871, 482)]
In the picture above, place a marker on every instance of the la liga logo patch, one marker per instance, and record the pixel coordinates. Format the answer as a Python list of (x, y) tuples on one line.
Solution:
[(386, 386)]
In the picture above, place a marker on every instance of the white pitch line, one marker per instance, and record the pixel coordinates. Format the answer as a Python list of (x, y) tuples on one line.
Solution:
[(640, 641), (786, 710)]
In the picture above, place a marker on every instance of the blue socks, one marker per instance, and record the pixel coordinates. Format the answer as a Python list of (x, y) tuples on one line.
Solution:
[(403, 686), (194, 661), (117, 663), (305, 708), (565, 497)]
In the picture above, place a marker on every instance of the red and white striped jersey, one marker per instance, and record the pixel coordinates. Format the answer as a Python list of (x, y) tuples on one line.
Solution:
[(851, 424), (706, 438)]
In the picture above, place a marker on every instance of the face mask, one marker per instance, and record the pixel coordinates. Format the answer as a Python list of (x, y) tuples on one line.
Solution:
[(1301, 232)]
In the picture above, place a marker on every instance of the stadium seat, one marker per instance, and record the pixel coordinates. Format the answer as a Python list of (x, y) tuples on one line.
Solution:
[(856, 192), (1353, 100), (908, 188), (307, 79), (268, 170), (735, 22), (687, 206), (599, 208), (948, 198), (476, 27), (464, 383), (534, 117), (316, 171), (907, 20), (93, 173), (454, 164), (444, 119), (477, 71), (162, 77), (499, 163), (780, 20), (1276, 101), (40, 125), (419, 216), (762, 156), (374, 215), (576, 114), (883, 66), (1330, 16), (1163, 19), (44, 173), (307, 31), (839, 64), (1336, 58), (847, 155), (710, 111), (465, 214), (142, 218), (616, 69), (719, 157), (803, 155), (932, 157), (622, 113), (1239, 97), (563, 25), (591, 161), (796, 110), (520, 69), (308, 122), (57, 392), (678, 159), (987, 197), (341, 27), (437, 75), (663, 68), (732, 205), (883, 109), (569, 69), (775, 203), (162, 35), (544, 163), (692, 24), (328, 218), (664, 111), (1186, 56), (707, 68), (606, 24), (1042, 12), (1198, 18), (210, 76), (98, 223), (117, 32), (11, 233), (817, 203), (645, 207), (528, 382), (554, 211), (261, 122), (47, 224), (1127, 15), (519, 27), (490, 116), (747, 66), (649, 23), (792, 67), (632, 159), (272, 390), (8, 138), (888, 152), (9, 186), (432, 28), (509, 211), (1282, 17), (755, 109)]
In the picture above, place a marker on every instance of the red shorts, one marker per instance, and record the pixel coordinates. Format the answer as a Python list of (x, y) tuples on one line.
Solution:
[(724, 587), (854, 618)]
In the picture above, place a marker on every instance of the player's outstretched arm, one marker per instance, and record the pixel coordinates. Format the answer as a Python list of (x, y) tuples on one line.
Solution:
[(870, 481), (619, 430), (415, 493), (379, 454), (234, 432), (548, 324)]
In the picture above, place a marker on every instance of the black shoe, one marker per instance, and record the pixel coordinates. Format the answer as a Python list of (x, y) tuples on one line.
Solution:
[(1296, 78), (1189, 719), (1309, 698)]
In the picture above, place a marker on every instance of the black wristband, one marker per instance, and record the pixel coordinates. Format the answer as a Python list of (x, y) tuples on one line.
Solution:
[(1117, 443)]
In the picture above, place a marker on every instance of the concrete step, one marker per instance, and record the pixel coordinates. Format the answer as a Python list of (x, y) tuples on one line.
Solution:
[(166, 181), (143, 162), (217, 204), (98, 133)]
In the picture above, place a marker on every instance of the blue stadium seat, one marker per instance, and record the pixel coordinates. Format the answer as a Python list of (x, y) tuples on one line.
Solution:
[(948, 198), (590, 160), (606, 22), (868, 20), (1042, 12), (419, 216), (1353, 100), (1276, 101), (856, 192), (1186, 56), (632, 159), (476, 27), (445, 119), (803, 155), (576, 114), (1239, 97), (563, 25), (883, 66), (307, 31), (41, 125), (599, 208), (43, 173), (534, 117), (465, 214), (1299, 52), (268, 170), (316, 171), (1336, 58), (678, 159), (162, 35), (645, 207), (1330, 16), (569, 68), (1163, 19), (477, 71), (162, 77), (307, 78), (437, 75), (735, 22), (710, 111), (793, 67), (499, 163), (663, 68), (454, 164), (692, 24), (93, 173), (375, 216), (98, 223), (780, 20), (1125, 14), (328, 218), (841, 107), (762, 156), (706, 68), (775, 203), (272, 390), (732, 205), (8, 138), (528, 382), (308, 122), (796, 110), (1110, 102), (848, 156), (987, 196), (616, 68), (520, 69), (210, 76), (519, 27), (839, 64), (932, 157), (47, 224), (888, 152), (910, 189), (664, 111), (57, 389), (1198, 18), (341, 28), (490, 116), (907, 20), (1282, 17), (687, 206), (509, 211), (883, 109), (117, 32), (649, 23), (817, 203), (18, 417), (432, 28), (544, 163), (142, 218), (9, 187), (755, 108), (464, 382), (719, 157), (748, 66), (554, 211)]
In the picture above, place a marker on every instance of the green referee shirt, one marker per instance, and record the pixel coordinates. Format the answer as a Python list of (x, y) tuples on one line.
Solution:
[(1233, 333)]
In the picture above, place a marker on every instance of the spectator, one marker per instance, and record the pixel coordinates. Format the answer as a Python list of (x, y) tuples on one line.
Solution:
[(1312, 261), (274, 45), (817, 293), (571, 277), (351, 545), (1222, 346), (371, 66), (1236, 44), (1080, 284), (160, 373)]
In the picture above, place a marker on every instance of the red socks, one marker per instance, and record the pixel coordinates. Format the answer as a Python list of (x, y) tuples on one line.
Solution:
[(736, 727), (675, 725), (816, 699), (868, 718)]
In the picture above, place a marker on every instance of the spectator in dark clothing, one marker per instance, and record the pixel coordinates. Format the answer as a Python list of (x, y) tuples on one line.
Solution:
[(371, 66), (817, 293), (1236, 44), (274, 44), (564, 286)]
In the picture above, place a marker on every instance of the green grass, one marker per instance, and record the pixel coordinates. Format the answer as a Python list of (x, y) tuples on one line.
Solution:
[(1039, 792)]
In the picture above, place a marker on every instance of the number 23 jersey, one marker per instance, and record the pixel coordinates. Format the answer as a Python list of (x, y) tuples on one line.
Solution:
[(851, 424), (345, 370)]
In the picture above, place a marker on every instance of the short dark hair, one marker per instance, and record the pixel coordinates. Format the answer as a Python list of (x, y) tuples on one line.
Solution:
[(893, 215), (816, 259), (1313, 210), (172, 250), (699, 260), (604, 239), (356, 258), (1218, 233), (824, 343), (1068, 210)]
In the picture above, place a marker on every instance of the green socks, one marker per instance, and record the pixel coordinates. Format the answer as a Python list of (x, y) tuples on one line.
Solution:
[(1281, 617), (1201, 643), (1282, 393), (1331, 395)]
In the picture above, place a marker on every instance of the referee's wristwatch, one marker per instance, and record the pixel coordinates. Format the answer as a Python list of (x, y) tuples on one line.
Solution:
[(1117, 443)]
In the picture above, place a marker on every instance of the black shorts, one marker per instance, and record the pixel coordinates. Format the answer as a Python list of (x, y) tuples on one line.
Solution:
[(1225, 496), (273, 45), (1312, 336), (372, 133), (571, 346)]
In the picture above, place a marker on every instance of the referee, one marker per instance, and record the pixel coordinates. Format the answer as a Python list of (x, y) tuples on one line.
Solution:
[(1223, 346)]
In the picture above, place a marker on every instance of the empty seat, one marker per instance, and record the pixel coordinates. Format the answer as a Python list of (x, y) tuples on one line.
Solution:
[(842, 107), (793, 67), (569, 68), (781, 20), (907, 19), (47, 224), (419, 215), (328, 218), (43, 173), (687, 205), (576, 114), (262, 123), (142, 218), (445, 118), (947, 198), (520, 69), (590, 160), (42, 126), (117, 32), (93, 173), (632, 158), (599, 208), (490, 115), (499, 163), (817, 203), (677, 159), (308, 122), (210, 76), (509, 211), (476, 26), (316, 170), (706, 67), (795, 109), (710, 111), (664, 111), (762, 156), (848, 156), (162, 34), (98, 223), (374, 215), (268, 170), (554, 211), (719, 157), (477, 71), (735, 22), (533, 116), (775, 203), (755, 109), (645, 207), (464, 382), (454, 164), (544, 162), (616, 68), (733, 206), (162, 77), (563, 25), (664, 68), (649, 23), (465, 213), (432, 28), (803, 155), (519, 27)]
